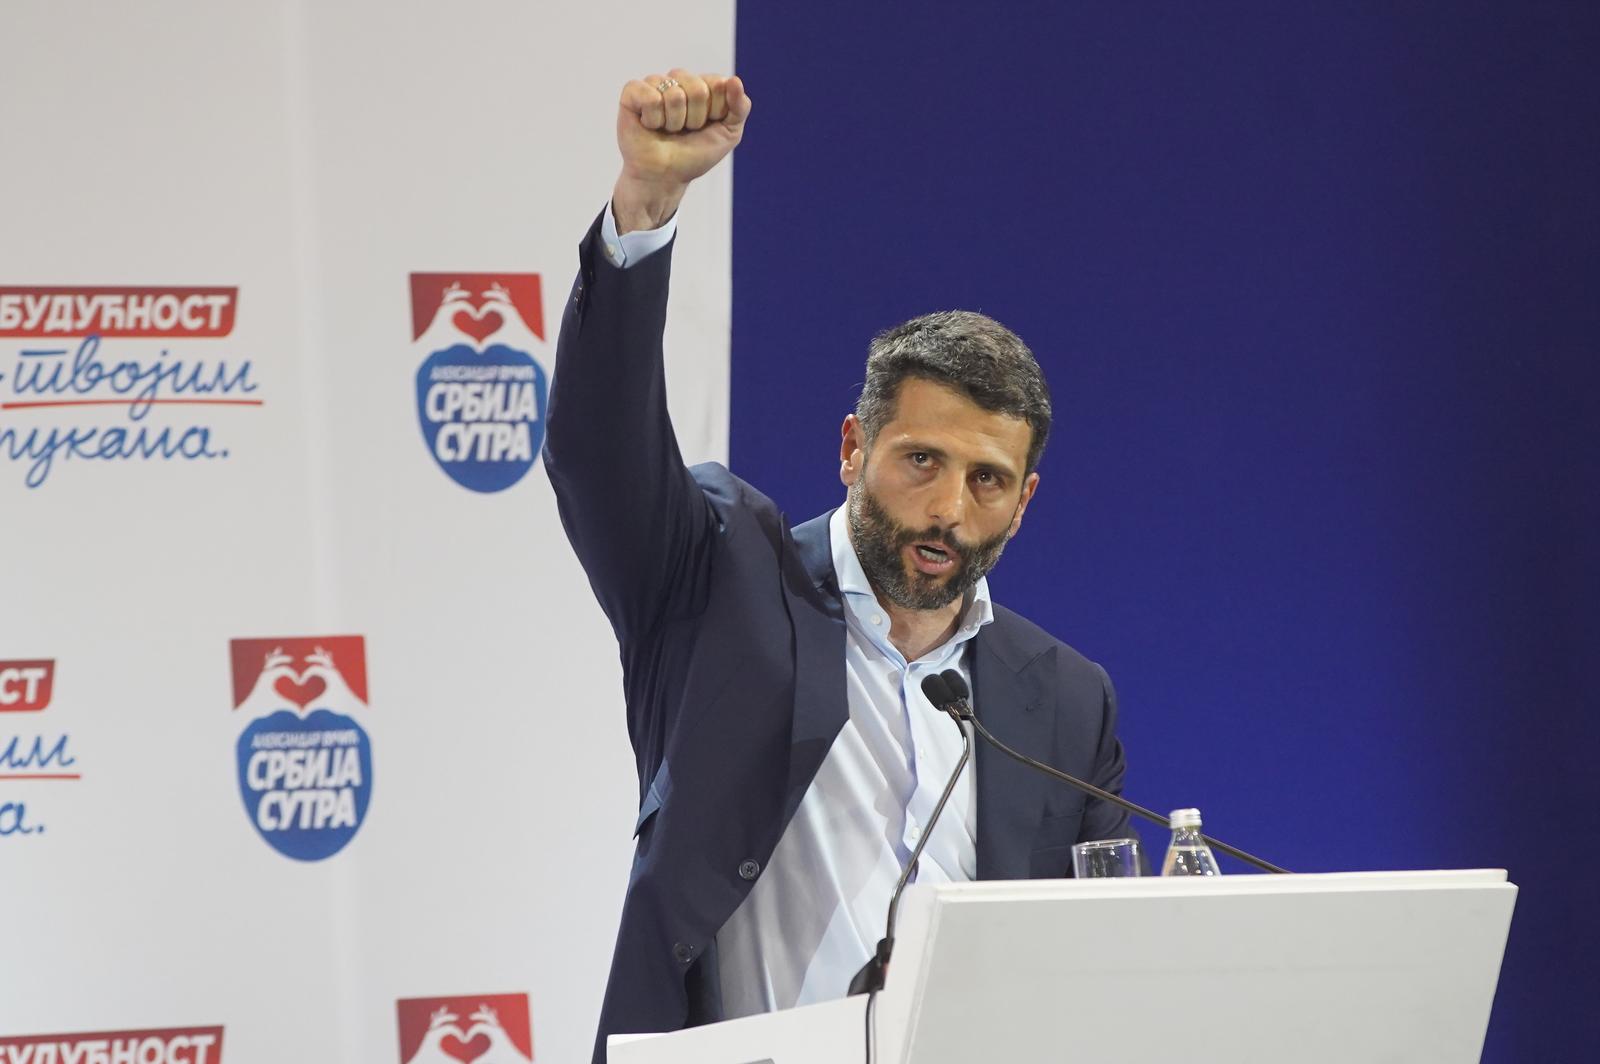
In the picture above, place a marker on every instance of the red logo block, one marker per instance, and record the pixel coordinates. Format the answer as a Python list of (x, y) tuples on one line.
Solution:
[(483, 1028), (323, 661), (476, 304), (102, 310), (25, 686), (171, 1045)]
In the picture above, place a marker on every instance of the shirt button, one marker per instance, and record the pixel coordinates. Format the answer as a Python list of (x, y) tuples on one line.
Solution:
[(877, 618), (683, 953), (915, 833), (749, 869)]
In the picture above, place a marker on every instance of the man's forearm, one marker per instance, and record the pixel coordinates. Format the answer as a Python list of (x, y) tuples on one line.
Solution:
[(639, 204)]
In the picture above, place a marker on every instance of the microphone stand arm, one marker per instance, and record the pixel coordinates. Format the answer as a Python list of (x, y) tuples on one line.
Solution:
[(965, 713)]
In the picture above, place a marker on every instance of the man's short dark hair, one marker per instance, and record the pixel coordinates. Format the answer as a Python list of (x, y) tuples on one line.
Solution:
[(966, 351)]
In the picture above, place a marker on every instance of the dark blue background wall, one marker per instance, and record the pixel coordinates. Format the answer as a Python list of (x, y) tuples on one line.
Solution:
[(1316, 290)]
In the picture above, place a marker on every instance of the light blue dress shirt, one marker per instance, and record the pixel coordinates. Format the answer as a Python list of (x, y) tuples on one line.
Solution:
[(817, 910), (819, 907)]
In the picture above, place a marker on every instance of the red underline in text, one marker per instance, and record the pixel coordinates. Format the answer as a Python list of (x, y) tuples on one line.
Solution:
[(130, 402)]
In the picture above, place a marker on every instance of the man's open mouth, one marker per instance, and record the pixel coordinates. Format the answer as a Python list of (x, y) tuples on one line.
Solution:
[(933, 558)]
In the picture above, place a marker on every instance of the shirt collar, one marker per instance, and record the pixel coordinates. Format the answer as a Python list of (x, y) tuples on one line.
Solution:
[(978, 611)]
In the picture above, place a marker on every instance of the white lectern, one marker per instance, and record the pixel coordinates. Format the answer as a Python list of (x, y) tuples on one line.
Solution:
[(1315, 969)]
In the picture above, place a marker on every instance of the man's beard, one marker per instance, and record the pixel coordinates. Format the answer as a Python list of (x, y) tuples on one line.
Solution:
[(879, 541)]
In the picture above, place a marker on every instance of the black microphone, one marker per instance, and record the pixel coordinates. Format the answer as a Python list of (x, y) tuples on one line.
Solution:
[(871, 977), (961, 710)]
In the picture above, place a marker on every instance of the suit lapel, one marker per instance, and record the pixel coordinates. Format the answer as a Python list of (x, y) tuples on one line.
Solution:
[(1011, 696), (821, 706)]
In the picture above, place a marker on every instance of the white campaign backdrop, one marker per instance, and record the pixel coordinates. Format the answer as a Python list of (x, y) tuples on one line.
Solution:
[(315, 154)]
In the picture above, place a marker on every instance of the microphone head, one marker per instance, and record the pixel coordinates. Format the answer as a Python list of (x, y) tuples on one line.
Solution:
[(954, 684), (937, 690)]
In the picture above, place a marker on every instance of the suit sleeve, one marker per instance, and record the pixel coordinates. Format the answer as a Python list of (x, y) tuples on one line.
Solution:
[(637, 520), (1101, 819)]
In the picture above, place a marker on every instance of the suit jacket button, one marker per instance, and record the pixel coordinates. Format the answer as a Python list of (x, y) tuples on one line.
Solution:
[(683, 953), (749, 869)]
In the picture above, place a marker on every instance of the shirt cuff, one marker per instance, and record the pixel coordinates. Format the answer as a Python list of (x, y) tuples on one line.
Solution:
[(632, 248)]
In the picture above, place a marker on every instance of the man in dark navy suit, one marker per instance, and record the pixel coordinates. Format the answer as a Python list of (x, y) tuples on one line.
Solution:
[(788, 760)]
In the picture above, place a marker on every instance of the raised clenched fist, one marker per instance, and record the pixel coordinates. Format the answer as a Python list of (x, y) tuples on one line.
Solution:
[(671, 128)]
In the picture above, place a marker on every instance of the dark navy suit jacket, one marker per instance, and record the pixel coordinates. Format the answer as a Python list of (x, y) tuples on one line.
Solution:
[(732, 636)]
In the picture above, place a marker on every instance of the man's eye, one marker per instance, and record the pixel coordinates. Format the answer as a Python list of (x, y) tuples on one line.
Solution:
[(920, 458)]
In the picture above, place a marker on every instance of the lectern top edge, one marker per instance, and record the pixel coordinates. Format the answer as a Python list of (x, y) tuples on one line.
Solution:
[(1041, 889)]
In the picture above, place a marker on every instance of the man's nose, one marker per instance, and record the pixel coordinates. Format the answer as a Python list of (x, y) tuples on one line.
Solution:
[(948, 501)]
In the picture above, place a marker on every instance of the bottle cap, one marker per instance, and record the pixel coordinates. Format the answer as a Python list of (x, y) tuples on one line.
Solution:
[(1185, 818)]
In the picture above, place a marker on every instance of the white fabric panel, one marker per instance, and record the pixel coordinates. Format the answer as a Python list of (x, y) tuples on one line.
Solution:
[(315, 156)]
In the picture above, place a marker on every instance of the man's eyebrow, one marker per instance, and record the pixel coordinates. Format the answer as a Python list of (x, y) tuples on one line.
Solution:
[(913, 447)]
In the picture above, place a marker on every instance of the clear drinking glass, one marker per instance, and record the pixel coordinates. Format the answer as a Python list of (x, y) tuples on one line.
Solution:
[(1106, 858)]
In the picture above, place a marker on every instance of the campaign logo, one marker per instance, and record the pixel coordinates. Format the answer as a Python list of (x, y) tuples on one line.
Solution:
[(480, 1029), (305, 761), (170, 1045), (112, 374), (29, 758), (480, 393)]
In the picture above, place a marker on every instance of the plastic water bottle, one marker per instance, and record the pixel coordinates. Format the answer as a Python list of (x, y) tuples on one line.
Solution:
[(1188, 855)]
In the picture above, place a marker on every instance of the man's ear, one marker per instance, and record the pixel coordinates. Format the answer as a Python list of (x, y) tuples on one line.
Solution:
[(852, 450), (1029, 486)]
